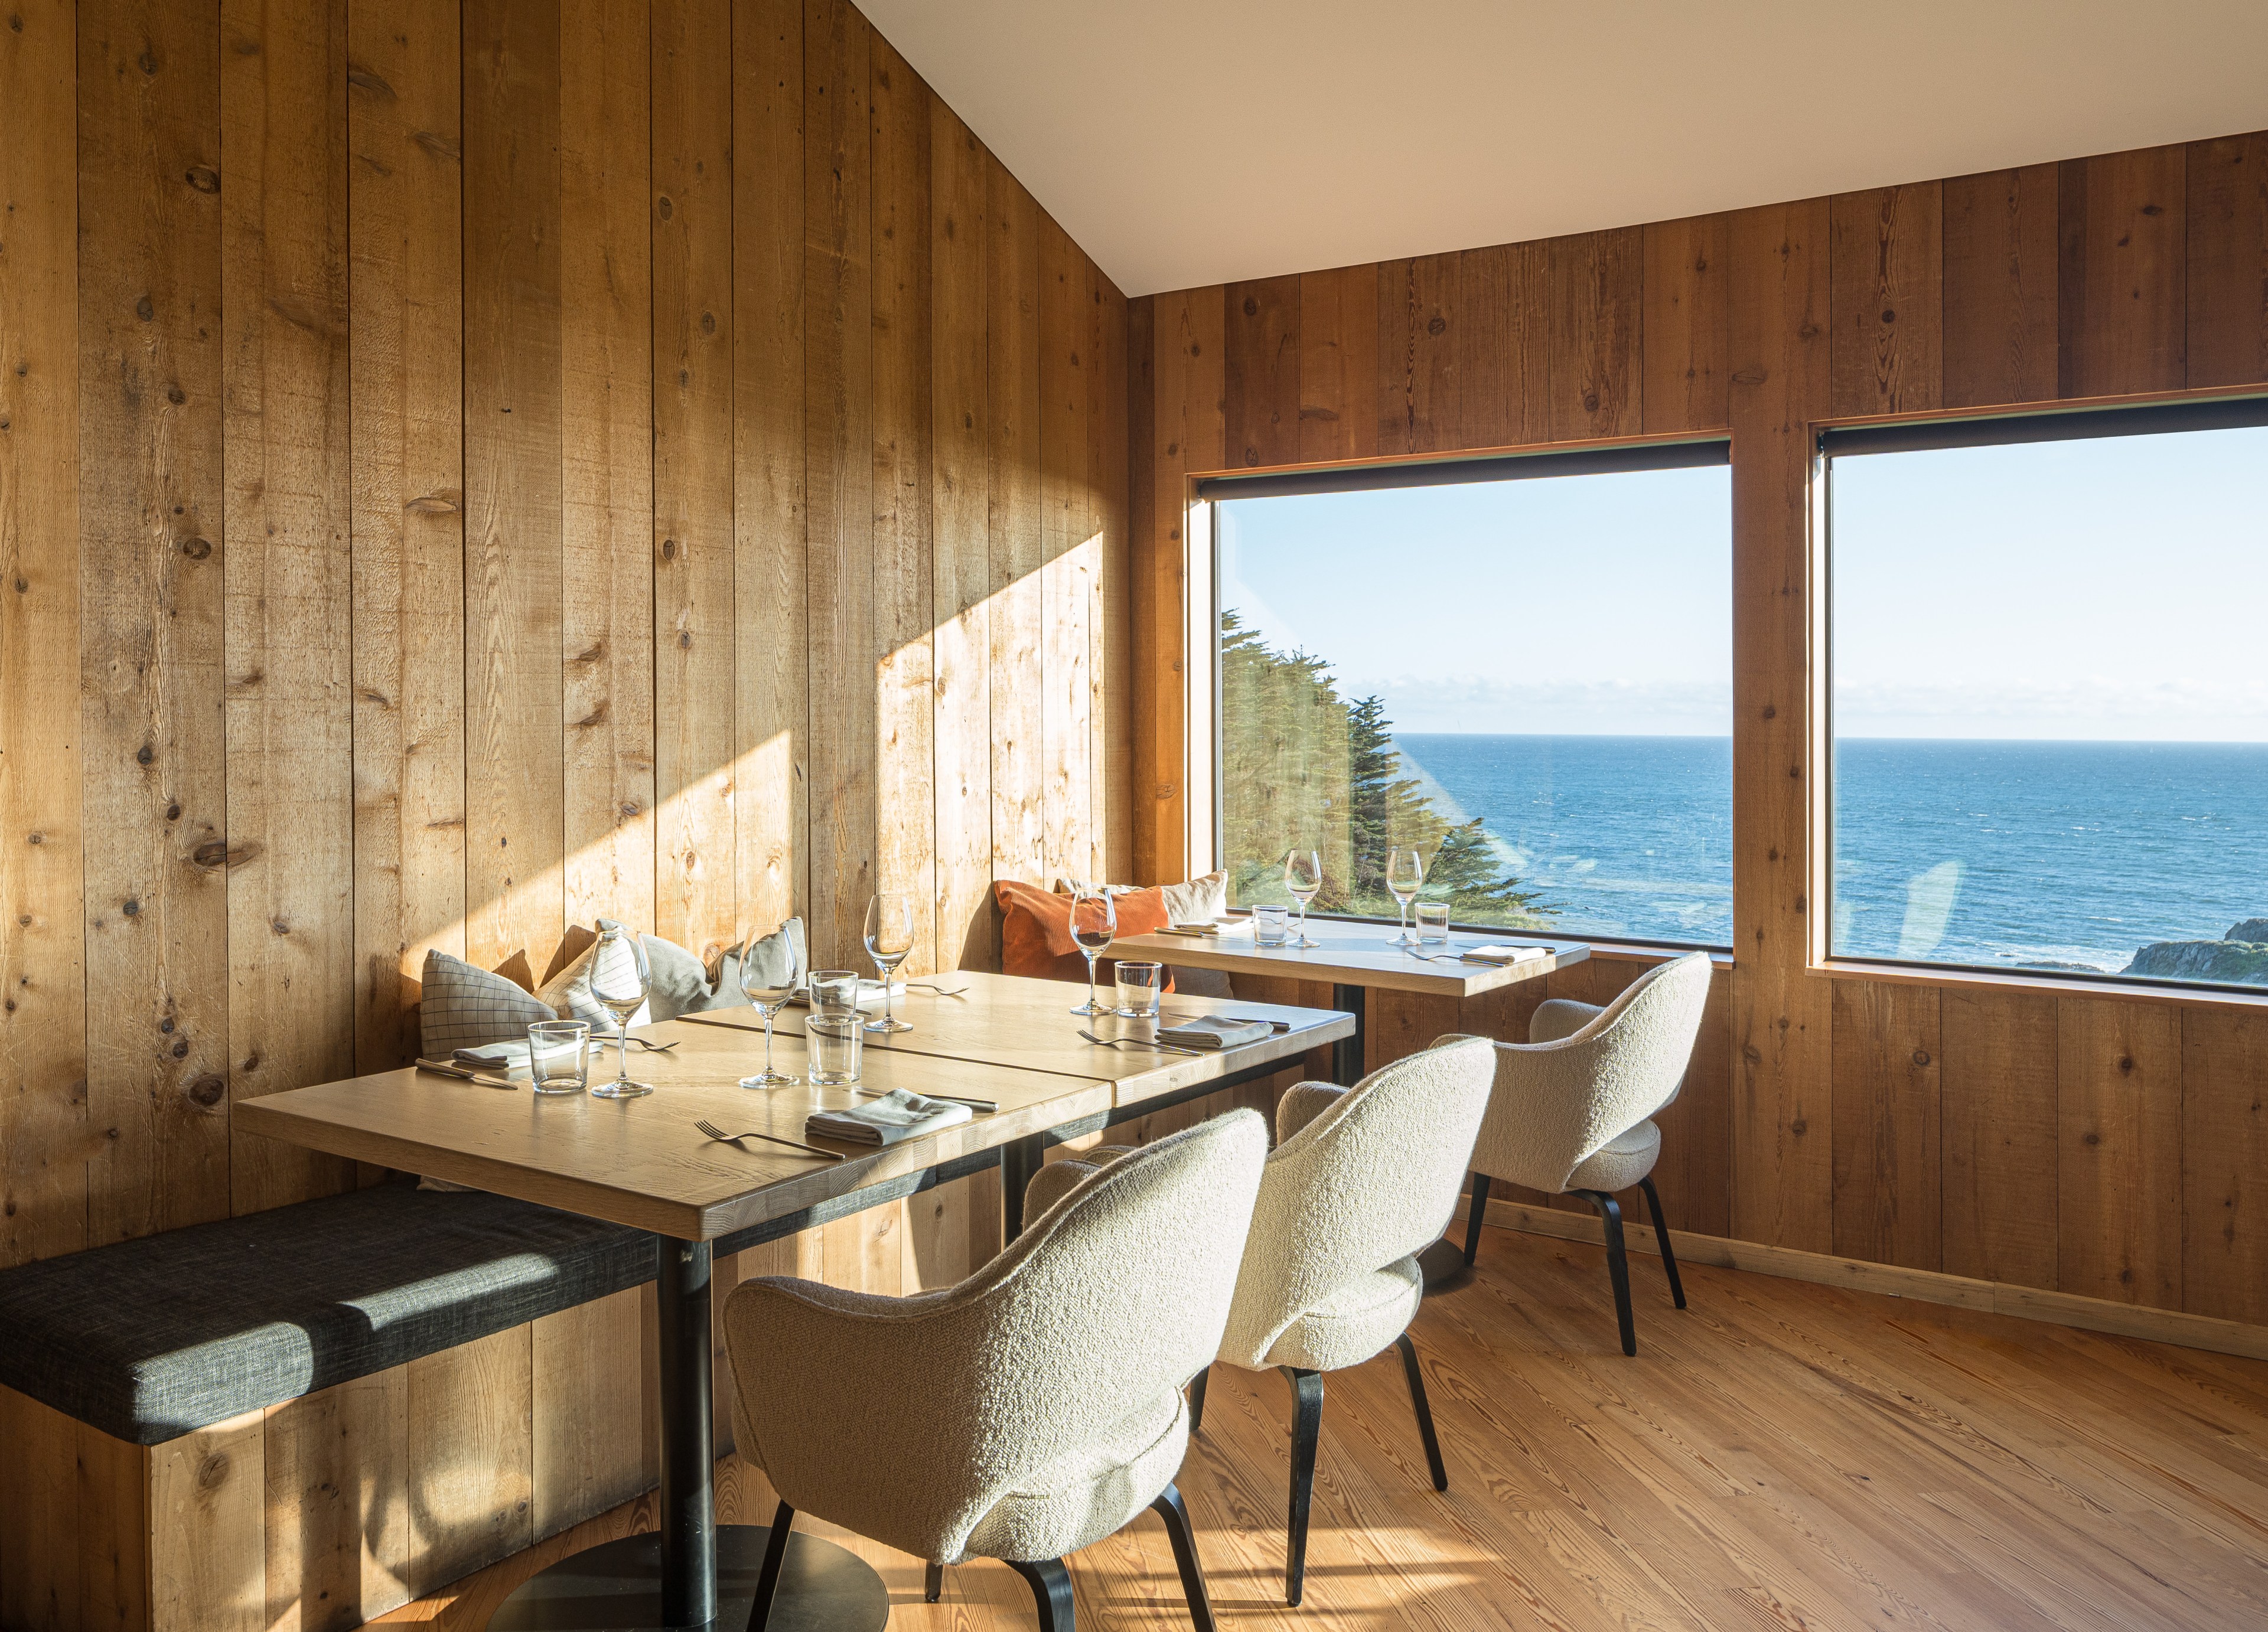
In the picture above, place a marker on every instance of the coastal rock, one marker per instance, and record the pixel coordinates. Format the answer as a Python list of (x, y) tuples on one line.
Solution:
[(2251, 929), (2067, 968), (2230, 962)]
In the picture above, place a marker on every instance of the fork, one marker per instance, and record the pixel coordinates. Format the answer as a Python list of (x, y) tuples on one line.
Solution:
[(722, 1137), (942, 991), (1120, 1042)]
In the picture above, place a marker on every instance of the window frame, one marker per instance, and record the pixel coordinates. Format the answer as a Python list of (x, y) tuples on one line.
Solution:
[(2078, 419)]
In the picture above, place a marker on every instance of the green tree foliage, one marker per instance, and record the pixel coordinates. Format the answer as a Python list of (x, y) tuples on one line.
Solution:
[(1302, 766)]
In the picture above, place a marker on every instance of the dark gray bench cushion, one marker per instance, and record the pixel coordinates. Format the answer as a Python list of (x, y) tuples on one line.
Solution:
[(149, 1339)]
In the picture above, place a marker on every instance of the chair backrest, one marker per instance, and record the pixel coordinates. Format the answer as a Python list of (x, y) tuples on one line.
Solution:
[(1556, 1102), (1368, 1182)]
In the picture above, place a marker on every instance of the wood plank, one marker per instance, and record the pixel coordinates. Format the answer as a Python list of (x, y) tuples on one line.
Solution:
[(1111, 668), (1685, 375), (1997, 1090), (1067, 564), (2000, 281), (153, 512), (1419, 303), (960, 499), (1887, 268), (586, 1451), (43, 1134), (2118, 1173), (112, 1532), (208, 1536), (469, 1457), (1777, 326), (288, 620), (1261, 371), (515, 763), (2225, 1164), (1693, 1174), (405, 230), (39, 1516), (771, 679), (1397, 1024), (1597, 311), (905, 794), (839, 471), (609, 441), (1888, 1175), (1150, 709), (2225, 293), (1338, 363), (2122, 234), (1012, 272), (335, 1465), (1504, 345)]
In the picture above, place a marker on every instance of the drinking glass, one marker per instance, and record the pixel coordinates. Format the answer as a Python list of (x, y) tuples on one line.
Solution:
[(768, 988), (833, 1042), (1094, 926), (1405, 876), (559, 1055), (889, 937), (1432, 921), (1138, 985), (1303, 877), (835, 991), (619, 977), (1272, 926)]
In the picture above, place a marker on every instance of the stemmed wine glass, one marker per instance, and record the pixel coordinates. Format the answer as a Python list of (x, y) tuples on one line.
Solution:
[(1405, 876), (1303, 877), (1094, 926), (769, 985), (889, 937), (619, 977)]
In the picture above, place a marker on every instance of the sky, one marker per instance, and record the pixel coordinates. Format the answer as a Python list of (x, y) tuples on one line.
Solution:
[(2107, 589)]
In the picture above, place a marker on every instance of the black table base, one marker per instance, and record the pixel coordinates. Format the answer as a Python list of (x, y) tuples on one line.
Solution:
[(616, 1587)]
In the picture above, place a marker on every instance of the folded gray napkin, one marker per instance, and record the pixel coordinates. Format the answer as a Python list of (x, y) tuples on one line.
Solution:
[(1214, 1031), (897, 1116), (870, 995)]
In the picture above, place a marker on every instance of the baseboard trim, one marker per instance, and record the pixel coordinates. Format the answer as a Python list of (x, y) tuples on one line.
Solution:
[(1932, 1286)]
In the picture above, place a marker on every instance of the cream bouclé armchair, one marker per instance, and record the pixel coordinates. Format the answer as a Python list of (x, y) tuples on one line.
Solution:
[(1572, 1112), (1031, 1410)]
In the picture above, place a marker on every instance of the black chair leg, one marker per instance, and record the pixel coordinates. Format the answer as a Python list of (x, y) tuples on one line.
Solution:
[(1480, 1188), (1050, 1585), (1307, 1429), (1617, 1263), (933, 1583), (768, 1578), (1169, 1507), (1424, 1412), (1661, 1236), (1196, 1399)]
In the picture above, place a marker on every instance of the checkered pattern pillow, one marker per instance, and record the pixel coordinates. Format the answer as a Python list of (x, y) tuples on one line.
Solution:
[(464, 1007)]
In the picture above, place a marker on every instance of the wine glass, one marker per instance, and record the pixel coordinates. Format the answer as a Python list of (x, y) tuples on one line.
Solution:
[(1303, 877), (768, 984), (889, 937), (619, 976), (1405, 876), (1094, 926)]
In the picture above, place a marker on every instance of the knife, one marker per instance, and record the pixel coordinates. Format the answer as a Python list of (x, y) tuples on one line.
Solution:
[(450, 1067)]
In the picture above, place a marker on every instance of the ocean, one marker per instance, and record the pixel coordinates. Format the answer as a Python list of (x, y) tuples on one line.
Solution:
[(1998, 854)]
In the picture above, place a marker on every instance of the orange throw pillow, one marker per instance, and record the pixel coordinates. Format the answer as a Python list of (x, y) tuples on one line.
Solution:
[(1036, 929)]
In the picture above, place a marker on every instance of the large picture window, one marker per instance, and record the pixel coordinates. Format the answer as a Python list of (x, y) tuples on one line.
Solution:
[(2047, 703), (1526, 677)]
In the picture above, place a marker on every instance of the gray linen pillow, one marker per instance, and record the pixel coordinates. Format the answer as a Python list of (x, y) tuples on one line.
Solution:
[(779, 956)]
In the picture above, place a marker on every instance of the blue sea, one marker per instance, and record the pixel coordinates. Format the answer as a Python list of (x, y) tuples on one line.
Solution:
[(1998, 854)]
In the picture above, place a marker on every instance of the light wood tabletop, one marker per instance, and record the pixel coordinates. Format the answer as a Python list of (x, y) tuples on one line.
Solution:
[(1025, 1025), (1352, 954)]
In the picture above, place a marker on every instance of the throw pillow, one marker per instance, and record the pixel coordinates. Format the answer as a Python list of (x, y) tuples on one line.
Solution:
[(568, 993), (464, 1006), (1036, 929), (1199, 901), (777, 957)]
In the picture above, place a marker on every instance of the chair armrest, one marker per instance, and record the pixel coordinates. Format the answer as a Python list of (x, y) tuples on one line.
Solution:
[(1555, 1017), (1301, 1104)]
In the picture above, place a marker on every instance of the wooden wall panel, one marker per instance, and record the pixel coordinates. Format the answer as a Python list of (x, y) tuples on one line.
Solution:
[(2224, 1162), (1419, 408), (609, 455), (1887, 1176), (2120, 298), (1065, 608), (515, 764), (289, 638), (1684, 375), (1504, 345), (208, 1529), (1338, 364), (2226, 255), (39, 1515), (1999, 1121), (1884, 302), (1263, 372), (1111, 668), (586, 1451), (151, 545), (1012, 272), (467, 1458), (2118, 1202), (1597, 310), (405, 226), (337, 1467), (43, 1132), (1999, 282), (1154, 712)]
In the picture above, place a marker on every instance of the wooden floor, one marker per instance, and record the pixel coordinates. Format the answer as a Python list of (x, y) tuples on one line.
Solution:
[(1780, 1455)]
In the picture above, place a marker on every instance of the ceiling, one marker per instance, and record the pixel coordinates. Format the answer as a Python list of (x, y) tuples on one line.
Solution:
[(1192, 142)]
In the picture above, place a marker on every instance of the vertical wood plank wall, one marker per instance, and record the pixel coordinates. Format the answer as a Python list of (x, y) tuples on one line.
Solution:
[(445, 497), (2108, 1147)]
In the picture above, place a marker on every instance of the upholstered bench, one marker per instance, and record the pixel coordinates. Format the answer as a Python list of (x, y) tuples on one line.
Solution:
[(313, 1413)]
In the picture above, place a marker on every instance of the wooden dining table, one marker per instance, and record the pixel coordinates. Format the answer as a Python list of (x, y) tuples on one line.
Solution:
[(641, 1163)]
